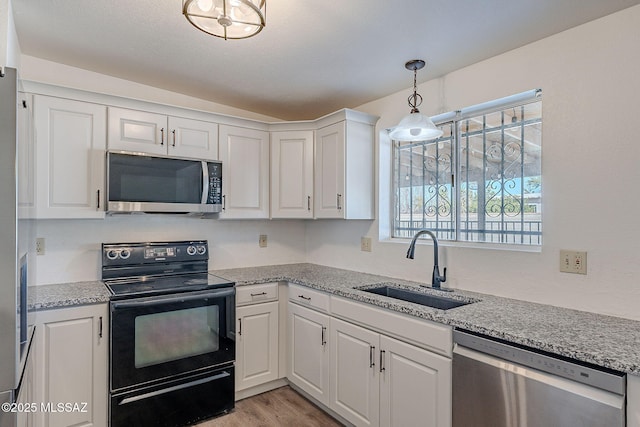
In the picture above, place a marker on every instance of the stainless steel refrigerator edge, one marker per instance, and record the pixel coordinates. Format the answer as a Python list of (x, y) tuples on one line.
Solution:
[(12, 353)]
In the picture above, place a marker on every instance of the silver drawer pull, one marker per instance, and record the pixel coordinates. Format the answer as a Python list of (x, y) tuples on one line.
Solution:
[(257, 295), (304, 298)]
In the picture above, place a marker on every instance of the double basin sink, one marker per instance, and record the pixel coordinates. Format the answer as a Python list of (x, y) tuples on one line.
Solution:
[(416, 297)]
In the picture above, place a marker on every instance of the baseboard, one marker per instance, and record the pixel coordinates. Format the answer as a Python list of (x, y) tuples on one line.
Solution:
[(262, 388)]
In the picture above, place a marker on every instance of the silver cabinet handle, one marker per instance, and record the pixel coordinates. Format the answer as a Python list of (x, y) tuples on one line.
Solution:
[(339, 196), (173, 131), (259, 294), (100, 327), (324, 341), (224, 202), (308, 203), (161, 136), (240, 328), (97, 199), (304, 298), (382, 360), (372, 350)]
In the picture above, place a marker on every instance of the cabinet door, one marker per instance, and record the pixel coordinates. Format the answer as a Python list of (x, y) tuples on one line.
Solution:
[(415, 386), (26, 158), (71, 362), (26, 397), (355, 390), (138, 131), (329, 171), (245, 172), (292, 174), (70, 158), (193, 139), (256, 344), (308, 353)]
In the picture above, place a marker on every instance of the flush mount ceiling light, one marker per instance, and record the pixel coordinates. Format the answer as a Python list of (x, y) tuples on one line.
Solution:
[(415, 126), (227, 19)]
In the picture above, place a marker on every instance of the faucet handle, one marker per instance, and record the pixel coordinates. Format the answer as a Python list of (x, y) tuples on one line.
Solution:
[(444, 276)]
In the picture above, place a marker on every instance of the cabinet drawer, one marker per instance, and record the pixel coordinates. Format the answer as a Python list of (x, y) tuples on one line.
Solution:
[(256, 293), (309, 298)]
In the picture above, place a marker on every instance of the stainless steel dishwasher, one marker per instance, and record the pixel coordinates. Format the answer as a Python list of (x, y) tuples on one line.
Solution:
[(496, 384)]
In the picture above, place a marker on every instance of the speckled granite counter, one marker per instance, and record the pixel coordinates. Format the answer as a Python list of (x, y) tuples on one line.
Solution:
[(66, 295), (606, 341)]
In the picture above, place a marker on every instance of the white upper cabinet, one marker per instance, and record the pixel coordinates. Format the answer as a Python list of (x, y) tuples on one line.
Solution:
[(344, 171), (292, 174), (70, 141), (26, 158), (151, 133), (245, 172)]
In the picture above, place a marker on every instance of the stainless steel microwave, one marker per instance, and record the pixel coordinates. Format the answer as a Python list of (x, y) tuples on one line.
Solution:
[(144, 183)]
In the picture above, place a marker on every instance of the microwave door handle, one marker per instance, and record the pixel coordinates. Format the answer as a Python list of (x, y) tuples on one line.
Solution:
[(205, 183), (150, 302)]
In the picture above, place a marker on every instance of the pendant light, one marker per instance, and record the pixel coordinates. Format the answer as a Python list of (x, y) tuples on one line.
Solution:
[(227, 19), (415, 126)]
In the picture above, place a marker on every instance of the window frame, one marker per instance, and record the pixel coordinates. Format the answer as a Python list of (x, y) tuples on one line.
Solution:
[(455, 120)]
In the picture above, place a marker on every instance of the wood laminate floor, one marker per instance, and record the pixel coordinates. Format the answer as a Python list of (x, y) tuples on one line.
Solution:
[(280, 407)]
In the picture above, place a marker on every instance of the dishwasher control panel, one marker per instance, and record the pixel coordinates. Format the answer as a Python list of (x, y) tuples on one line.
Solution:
[(543, 361)]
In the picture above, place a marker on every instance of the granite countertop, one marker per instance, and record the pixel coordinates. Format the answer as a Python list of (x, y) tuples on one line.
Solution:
[(607, 341), (66, 295), (611, 342)]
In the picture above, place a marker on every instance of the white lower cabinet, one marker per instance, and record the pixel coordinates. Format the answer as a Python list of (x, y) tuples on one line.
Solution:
[(26, 397), (415, 386), (71, 366), (380, 381), (355, 388), (256, 344), (308, 352)]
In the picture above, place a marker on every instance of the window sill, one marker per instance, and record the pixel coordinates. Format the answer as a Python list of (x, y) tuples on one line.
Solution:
[(467, 245)]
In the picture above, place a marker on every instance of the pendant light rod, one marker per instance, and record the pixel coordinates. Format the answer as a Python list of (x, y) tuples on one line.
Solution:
[(415, 100)]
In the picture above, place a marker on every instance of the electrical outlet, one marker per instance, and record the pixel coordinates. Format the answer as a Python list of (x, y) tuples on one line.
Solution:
[(262, 241), (365, 244), (573, 261), (40, 246)]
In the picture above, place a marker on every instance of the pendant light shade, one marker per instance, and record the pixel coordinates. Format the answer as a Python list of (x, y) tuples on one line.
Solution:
[(415, 126), (227, 19)]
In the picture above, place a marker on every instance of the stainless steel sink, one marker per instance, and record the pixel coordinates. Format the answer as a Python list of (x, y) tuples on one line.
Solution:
[(434, 301)]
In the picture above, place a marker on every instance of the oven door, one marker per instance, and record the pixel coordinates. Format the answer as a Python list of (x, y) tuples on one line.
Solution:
[(161, 337)]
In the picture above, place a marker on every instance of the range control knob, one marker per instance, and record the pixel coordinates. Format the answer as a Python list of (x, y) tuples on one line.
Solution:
[(191, 250), (125, 253), (201, 250), (112, 254)]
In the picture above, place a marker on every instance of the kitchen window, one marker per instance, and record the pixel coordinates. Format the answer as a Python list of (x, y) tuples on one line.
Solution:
[(481, 181)]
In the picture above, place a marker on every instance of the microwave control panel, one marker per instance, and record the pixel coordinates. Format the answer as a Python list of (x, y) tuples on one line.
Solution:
[(215, 184)]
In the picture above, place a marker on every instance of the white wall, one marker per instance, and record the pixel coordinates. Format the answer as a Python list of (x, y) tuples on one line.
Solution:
[(41, 70), (72, 247), (591, 173)]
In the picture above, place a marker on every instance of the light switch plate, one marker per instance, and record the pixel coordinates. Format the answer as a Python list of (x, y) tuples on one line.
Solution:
[(262, 241), (573, 261)]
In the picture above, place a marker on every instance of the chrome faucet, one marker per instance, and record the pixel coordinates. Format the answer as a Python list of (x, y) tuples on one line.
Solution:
[(436, 279)]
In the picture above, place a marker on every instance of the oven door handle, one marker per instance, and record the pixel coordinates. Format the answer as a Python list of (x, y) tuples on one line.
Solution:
[(187, 296), (174, 388)]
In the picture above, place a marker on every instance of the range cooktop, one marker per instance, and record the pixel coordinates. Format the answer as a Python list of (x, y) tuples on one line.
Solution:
[(155, 268)]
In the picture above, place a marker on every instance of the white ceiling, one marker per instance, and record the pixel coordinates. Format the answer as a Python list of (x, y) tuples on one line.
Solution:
[(312, 58)]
